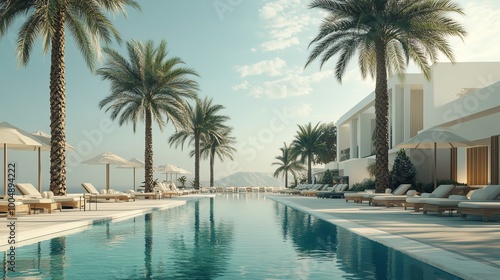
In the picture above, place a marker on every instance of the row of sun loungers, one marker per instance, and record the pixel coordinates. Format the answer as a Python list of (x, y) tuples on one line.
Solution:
[(318, 190), (31, 199), (484, 202)]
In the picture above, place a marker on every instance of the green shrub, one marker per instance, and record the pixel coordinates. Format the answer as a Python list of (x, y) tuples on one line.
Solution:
[(365, 184), (327, 177), (403, 171)]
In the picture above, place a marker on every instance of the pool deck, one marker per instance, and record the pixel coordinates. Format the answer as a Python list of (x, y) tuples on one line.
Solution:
[(467, 248)]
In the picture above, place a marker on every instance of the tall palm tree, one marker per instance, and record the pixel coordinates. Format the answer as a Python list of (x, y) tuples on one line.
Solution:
[(221, 146), (88, 23), (203, 120), (308, 145), (148, 87), (386, 34), (287, 164)]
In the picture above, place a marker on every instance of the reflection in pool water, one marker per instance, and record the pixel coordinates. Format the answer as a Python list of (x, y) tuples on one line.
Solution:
[(231, 236)]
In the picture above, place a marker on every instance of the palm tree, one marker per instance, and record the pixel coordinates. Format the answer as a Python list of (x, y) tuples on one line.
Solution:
[(308, 145), (221, 147), (386, 34), (88, 23), (203, 121), (149, 87), (287, 164)]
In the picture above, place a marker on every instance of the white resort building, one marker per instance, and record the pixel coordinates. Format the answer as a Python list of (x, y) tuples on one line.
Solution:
[(463, 98)]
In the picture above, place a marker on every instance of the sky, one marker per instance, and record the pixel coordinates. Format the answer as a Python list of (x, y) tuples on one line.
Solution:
[(250, 55)]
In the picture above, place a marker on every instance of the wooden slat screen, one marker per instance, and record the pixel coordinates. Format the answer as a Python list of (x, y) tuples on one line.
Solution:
[(477, 166), (495, 166), (453, 167)]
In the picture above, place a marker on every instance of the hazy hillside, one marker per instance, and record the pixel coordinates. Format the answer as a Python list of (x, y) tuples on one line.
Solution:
[(243, 179)]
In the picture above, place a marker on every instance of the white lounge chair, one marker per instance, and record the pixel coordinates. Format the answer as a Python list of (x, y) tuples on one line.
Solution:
[(440, 205), (93, 193), (485, 209), (392, 200), (14, 208), (30, 193), (399, 191), (417, 202)]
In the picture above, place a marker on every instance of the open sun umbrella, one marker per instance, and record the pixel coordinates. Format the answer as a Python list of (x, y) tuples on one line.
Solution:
[(168, 169), (136, 163), (107, 159), (435, 138), (15, 138)]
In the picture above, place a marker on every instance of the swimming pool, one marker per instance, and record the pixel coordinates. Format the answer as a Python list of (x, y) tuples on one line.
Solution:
[(229, 236)]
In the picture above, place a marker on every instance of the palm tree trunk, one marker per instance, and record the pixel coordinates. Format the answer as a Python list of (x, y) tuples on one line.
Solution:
[(148, 154), (58, 108), (197, 160), (212, 163), (286, 180), (381, 116), (309, 169)]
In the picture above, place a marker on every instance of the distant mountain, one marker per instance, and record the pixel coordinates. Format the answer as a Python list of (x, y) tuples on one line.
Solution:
[(244, 179)]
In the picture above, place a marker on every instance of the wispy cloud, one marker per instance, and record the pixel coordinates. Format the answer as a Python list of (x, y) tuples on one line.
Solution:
[(481, 43), (271, 68), (299, 111), (284, 20), (292, 83)]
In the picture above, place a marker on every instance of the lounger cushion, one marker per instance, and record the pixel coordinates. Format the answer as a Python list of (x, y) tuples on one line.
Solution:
[(402, 189), (37, 200), (491, 192), (443, 190), (480, 205), (411, 193)]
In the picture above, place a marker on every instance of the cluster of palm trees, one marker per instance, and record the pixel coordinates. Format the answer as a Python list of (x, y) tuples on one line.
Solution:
[(152, 88), (147, 87), (308, 146)]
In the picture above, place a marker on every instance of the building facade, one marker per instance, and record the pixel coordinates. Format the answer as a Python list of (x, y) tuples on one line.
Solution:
[(463, 98)]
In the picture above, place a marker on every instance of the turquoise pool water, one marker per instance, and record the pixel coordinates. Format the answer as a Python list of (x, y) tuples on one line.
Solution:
[(230, 236)]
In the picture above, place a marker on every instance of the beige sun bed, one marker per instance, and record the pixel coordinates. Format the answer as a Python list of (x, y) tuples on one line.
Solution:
[(314, 190), (485, 209), (400, 190), (94, 194), (439, 205), (16, 208), (30, 192), (355, 195), (392, 200), (417, 202)]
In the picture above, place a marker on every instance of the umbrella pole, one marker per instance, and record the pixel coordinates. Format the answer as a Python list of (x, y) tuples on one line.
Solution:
[(134, 178), (435, 165), (5, 168), (39, 171), (107, 177)]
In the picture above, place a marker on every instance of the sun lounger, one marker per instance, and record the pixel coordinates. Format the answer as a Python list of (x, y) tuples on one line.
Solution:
[(485, 209), (92, 192), (14, 208), (29, 191), (392, 200), (314, 190), (417, 202), (400, 190), (337, 191), (297, 190), (355, 195), (44, 204)]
